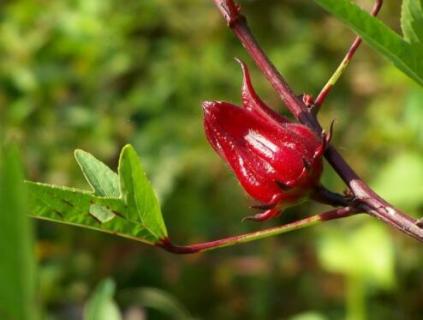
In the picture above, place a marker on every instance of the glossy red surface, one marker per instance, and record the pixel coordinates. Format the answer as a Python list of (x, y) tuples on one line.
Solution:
[(277, 162)]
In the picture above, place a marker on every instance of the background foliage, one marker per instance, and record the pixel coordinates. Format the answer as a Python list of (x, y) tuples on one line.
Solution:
[(98, 74)]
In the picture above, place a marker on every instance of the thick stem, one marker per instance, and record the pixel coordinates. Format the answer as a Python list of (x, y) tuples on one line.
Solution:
[(365, 197), (296, 225)]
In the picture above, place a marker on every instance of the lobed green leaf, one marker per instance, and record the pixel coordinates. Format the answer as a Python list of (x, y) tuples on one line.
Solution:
[(128, 208), (81, 208)]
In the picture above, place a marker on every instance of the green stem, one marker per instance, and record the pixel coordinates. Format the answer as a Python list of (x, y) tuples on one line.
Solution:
[(230, 241), (344, 63)]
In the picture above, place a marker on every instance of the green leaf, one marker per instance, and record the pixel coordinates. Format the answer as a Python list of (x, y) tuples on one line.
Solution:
[(138, 194), (408, 58), (84, 209), (101, 305), (412, 20), (102, 179), (135, 214), (17, 289)]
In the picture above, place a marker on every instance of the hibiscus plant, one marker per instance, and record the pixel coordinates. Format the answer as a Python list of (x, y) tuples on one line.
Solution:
[(278, 161)]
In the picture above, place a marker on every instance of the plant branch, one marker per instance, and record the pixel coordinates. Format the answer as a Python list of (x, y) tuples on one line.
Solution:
[(364, 196), (237, 23), (344, 63), (333, 214)]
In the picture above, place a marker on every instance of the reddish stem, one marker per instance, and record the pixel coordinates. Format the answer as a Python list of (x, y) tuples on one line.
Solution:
[(334, 214), (238, 24), (365, 197)]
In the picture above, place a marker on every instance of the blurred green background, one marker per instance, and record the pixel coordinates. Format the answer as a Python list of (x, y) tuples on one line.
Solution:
[(97, 74)]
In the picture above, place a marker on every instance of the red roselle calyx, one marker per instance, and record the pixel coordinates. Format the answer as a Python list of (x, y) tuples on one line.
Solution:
[(278, 162)]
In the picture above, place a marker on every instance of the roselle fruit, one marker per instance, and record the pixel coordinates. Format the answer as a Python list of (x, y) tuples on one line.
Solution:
[(277, 162)]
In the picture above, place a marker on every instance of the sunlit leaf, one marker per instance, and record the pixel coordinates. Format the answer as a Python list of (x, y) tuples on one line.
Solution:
[(81, 208)]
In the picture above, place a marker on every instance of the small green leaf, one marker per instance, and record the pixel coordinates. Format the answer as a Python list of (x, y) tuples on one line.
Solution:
[(408, 58), (82, 208), (138, 194), (412, 20), (17, 263), (102, 179), (101, 305)]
